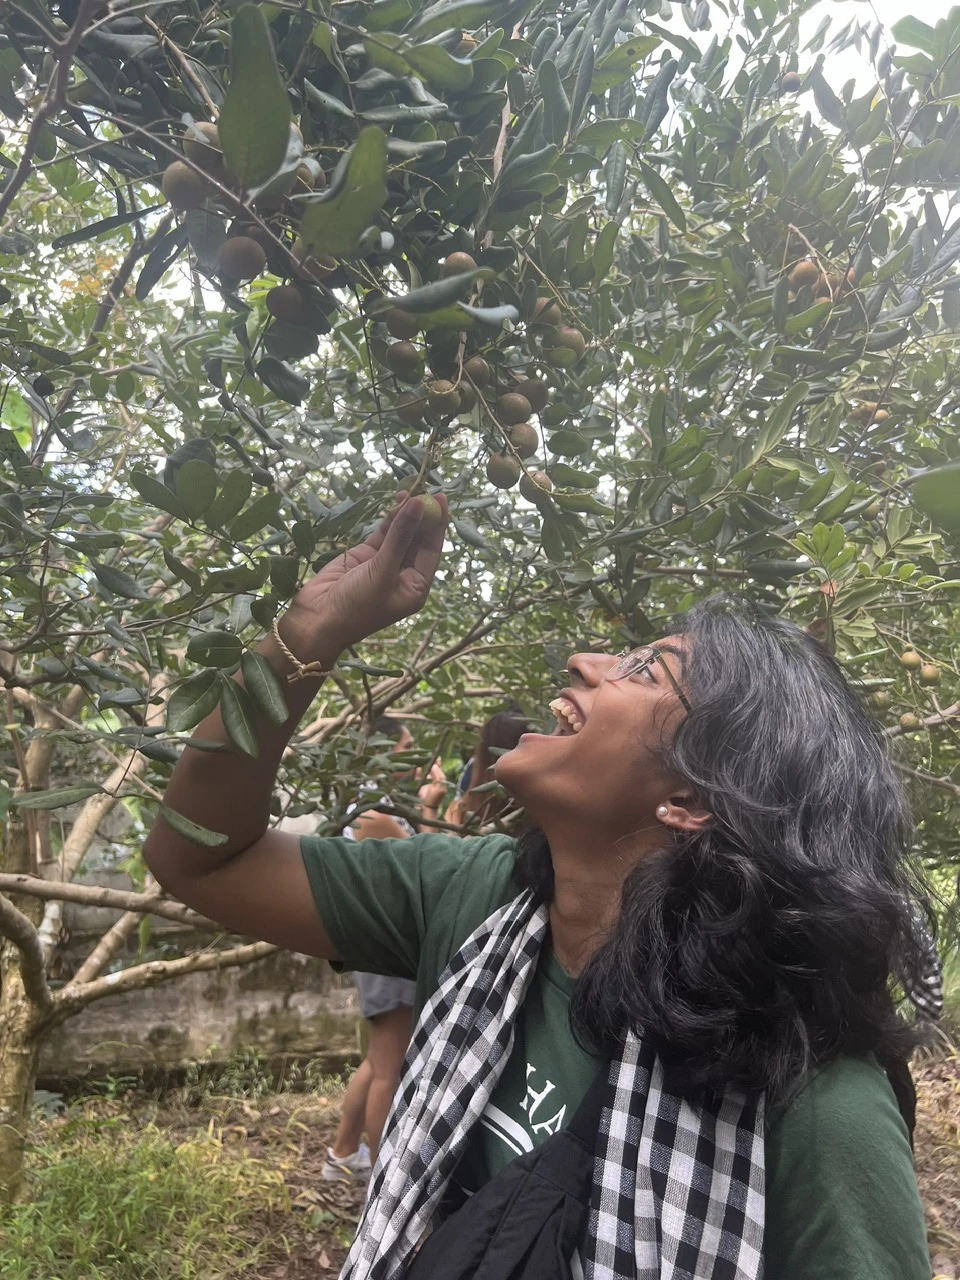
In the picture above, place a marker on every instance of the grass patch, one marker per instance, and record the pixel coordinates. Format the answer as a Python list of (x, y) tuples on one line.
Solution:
[(114, 1203)]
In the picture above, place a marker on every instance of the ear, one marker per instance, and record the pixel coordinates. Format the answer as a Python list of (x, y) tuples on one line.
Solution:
[(680, 813)]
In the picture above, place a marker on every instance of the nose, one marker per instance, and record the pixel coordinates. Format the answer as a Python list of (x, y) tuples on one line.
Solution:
[(590, 669)]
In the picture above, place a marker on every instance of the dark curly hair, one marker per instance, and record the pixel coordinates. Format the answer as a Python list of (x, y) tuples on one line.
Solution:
[(767, 943)]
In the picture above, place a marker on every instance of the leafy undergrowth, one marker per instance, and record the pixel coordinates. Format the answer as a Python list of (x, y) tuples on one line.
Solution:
[(207, 1187)]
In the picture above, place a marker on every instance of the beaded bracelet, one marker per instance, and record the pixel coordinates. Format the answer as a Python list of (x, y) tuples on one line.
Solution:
[(304, 670)]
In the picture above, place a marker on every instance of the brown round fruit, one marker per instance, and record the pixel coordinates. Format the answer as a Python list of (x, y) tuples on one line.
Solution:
[(512, 407), (43, 385), (455, 264), (864, 412), (881, 698), (546, 313), (805, 272), (205, 151), (312, 266), (911, 660), (465, 47), (410, 406), (790, 82), (909, 721), (432, 517), (929, 674), (403, 359), (401, 324), (443, 397), (184, 188), (567, 348), (468, 398), (535, 390), (288, 304), (503, 470), (241, 258), (477, 370), (524, 439), (535, 486)]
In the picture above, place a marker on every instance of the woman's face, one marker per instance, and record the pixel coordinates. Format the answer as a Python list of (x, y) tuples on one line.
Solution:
[(602, 762)]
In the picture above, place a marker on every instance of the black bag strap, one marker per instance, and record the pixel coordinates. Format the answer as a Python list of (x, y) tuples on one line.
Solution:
[(586, 1120)]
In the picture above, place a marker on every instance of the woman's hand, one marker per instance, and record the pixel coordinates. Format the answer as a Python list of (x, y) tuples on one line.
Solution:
[(432, 793), (378, 582)]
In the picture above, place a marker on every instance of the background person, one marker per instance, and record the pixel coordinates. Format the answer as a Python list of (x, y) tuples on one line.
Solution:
[(499, 734), (386, 1003)]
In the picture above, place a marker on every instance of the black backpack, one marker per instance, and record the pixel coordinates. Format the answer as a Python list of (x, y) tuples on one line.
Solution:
[(525, 1223)]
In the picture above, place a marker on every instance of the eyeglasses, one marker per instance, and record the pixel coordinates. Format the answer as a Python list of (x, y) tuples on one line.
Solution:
[(633, 662)]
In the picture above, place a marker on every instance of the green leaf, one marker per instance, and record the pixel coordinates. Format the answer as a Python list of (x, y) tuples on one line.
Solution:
[(260, 512), (207, 232), (193, 701), (254, 121), (125, 385), (215, 649), (56, 799), (620, 64), (181, 570), (568, 443), (570, 478), (496, 317), (384, 14), (912, 31), (191, 830), (438, 67), (105, 225), (937, 494), (333, 226), (283, 380), (663, 195), (239, 717), (196, 486), (778, 422), (229, 502), (808, 319), (431, 297), (465, 14), (160, 260), (115, 580), (602, 134), (604, 250), (263, 685), (157, 494), (284, 575)]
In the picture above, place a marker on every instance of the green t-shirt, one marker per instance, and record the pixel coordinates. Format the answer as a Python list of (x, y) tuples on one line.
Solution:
[(842, 1200)]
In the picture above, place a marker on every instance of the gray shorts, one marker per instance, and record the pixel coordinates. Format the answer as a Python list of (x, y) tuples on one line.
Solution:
[(382, 995)]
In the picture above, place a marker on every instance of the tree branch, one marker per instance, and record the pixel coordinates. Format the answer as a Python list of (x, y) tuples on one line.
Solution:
[(54, 99), (72, 999), (15, 926), (931, 779), (95, 895), (139, 249), (928, 722)]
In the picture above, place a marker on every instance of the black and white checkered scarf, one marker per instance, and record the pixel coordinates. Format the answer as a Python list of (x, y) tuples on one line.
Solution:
[(678, 1190)]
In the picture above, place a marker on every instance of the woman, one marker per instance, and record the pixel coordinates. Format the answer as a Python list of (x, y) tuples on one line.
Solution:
[(702, 931), (499, 734)]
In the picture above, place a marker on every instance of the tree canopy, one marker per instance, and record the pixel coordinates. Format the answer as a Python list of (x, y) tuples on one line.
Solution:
[(264, 264)]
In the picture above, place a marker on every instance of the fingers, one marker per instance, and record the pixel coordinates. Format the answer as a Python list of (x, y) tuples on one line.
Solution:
[(376, 538), (400, 530), (424, 552)]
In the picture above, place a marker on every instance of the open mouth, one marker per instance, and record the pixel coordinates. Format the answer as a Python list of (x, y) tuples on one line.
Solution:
[(569, 719)]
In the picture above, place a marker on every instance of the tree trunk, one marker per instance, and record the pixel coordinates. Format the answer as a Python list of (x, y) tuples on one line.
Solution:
[(19, 1051), (21, 1023)]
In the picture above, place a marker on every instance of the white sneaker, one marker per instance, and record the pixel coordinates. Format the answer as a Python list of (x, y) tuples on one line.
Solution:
[(354, 1168)]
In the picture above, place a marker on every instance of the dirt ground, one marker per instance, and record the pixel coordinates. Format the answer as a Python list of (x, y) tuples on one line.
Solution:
[(290, 1132)]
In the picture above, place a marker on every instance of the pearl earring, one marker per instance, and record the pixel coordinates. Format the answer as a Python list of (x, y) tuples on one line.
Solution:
[(662, 810)]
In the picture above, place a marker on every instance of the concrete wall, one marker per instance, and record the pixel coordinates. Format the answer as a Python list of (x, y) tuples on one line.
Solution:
[(283, 1004)]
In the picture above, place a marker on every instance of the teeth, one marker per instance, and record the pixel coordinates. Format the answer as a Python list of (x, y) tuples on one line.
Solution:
[(566, 712)]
